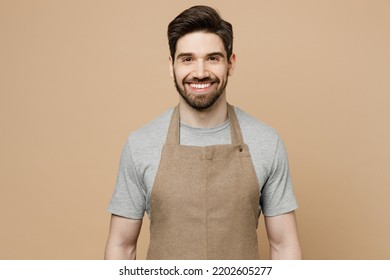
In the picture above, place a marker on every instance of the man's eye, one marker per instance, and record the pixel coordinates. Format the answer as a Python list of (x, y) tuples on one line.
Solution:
[(213, 58), (186, 59)]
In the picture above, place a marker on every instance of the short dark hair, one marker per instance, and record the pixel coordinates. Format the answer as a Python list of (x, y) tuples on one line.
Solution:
[(200, 18)]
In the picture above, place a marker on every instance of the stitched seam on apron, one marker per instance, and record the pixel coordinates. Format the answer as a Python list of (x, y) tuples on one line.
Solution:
[(206, 161)]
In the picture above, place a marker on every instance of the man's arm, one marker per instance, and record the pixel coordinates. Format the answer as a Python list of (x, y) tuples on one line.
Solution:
[(122, 239), (283, 237)]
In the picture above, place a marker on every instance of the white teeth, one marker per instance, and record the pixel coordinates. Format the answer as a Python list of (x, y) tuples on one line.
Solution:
[(200, 85)]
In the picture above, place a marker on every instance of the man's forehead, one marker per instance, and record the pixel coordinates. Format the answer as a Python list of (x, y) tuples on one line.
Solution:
[(200, 43)]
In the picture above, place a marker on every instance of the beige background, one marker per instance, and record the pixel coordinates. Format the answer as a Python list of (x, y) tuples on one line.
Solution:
[(78, 76)]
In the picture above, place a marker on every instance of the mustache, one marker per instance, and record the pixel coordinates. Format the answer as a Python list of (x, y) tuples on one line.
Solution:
[(205, 80)]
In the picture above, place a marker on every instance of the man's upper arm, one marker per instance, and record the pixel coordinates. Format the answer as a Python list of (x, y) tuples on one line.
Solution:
[(123, 236), (282, 234), (129, 197), (277, 194)]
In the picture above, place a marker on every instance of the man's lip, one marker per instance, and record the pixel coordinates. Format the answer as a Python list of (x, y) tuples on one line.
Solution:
[(200, 82)]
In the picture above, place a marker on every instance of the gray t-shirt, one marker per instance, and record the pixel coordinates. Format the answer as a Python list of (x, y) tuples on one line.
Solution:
[(142, 152)]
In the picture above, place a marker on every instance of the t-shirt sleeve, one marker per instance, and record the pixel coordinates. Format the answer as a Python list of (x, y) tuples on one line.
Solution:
[(129, 197), (277, 195)]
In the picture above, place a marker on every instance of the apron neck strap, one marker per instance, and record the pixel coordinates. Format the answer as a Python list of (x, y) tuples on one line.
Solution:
[(173, 136), (235, 130)]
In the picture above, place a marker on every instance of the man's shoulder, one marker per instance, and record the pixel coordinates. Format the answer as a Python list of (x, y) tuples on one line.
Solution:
[(253, 127), (263, 142), (153, 132)]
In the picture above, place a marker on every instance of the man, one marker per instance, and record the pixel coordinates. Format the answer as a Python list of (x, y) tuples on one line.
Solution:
[(205, 170)]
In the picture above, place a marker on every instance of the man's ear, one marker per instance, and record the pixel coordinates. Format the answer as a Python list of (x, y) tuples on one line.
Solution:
[(171, 66), (232, 64)]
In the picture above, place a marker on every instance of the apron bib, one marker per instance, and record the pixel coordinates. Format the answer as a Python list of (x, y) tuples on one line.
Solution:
[(205, 200)]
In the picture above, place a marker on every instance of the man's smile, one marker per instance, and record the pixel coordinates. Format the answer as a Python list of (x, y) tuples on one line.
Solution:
[(200, 85)]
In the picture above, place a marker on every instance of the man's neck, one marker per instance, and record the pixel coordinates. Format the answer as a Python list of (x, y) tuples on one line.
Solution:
[(211, 117)]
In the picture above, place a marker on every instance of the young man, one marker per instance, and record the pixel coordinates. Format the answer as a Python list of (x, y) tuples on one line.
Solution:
[(205, 170)]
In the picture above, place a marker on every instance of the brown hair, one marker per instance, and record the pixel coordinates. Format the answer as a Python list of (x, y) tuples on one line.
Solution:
[(200, 18)]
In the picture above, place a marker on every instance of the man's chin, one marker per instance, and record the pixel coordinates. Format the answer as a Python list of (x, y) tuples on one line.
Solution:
[(201, 102)]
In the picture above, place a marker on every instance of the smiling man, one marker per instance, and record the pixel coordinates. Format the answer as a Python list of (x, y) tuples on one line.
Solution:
[(202, 67), (205, 170)]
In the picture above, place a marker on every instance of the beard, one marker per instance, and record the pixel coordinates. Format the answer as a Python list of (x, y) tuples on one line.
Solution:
[(200, 101)]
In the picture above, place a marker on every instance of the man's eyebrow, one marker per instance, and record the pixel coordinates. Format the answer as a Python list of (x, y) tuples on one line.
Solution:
[(216, 54), (184, 54)]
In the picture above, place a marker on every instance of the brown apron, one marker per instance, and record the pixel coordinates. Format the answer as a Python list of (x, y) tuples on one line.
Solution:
[(205, 200)]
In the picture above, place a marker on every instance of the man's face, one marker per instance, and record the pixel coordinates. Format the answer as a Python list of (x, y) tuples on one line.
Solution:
[(201, 69)]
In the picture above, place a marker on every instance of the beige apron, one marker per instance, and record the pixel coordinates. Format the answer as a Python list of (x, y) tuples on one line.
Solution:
[(205, 200)]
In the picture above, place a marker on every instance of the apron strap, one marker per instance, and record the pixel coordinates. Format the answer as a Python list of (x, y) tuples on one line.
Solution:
[(235, 130), (173, 136)]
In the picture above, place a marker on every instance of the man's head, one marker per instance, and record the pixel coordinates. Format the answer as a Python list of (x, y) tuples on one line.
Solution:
[(201, 44)]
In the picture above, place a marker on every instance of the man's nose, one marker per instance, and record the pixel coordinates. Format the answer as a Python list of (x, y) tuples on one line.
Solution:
[(200, 71)]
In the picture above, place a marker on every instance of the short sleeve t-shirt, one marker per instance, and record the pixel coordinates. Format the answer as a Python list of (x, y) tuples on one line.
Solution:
[(141, 155)]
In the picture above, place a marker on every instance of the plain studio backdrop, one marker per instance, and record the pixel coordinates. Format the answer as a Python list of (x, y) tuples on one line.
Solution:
[(76, 77)]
